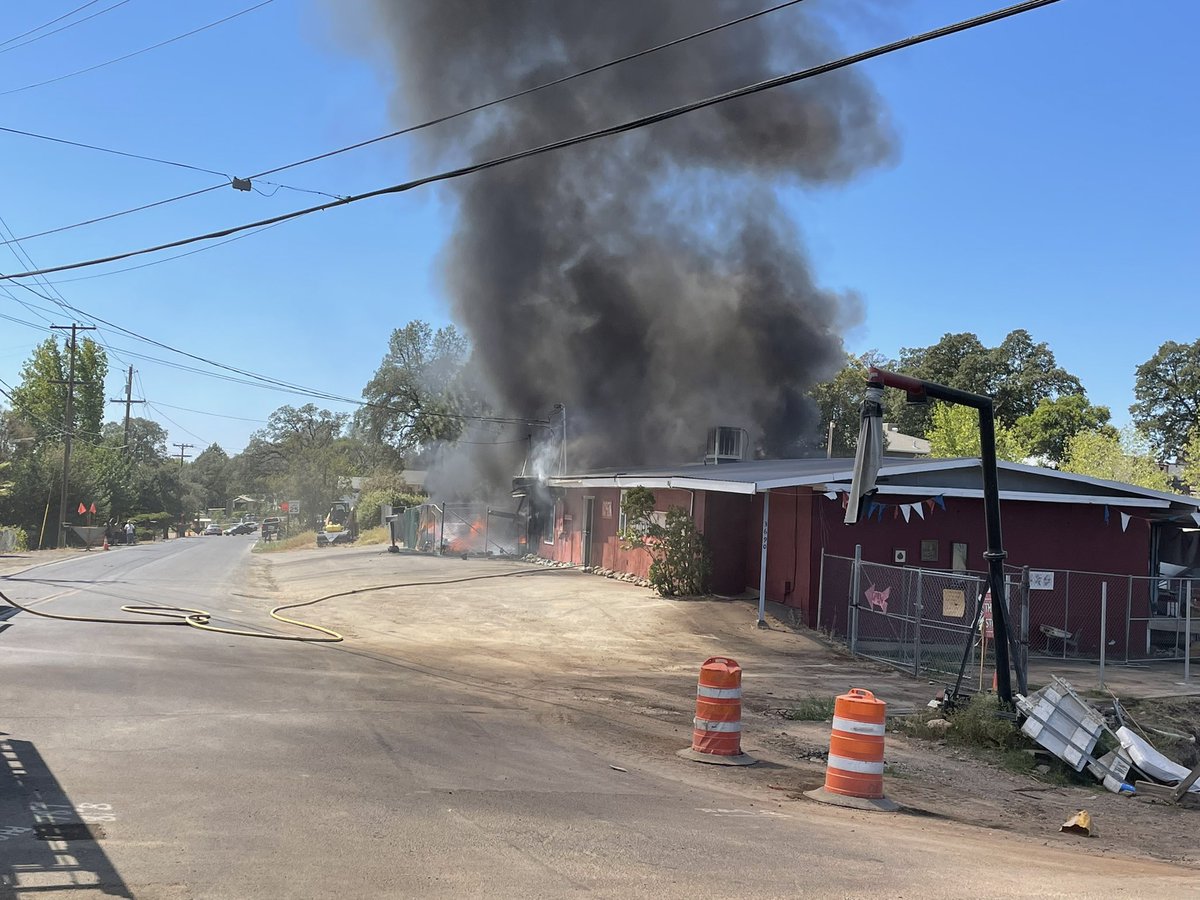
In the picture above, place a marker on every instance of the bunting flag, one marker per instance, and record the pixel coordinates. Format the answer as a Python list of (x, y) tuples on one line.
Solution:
[(873, 509), (1196, 517), (82, 509), (1125, 520), (1105, 513)]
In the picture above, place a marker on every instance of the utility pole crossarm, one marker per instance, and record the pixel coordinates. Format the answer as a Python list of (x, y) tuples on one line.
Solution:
[(68, 430), (128, 401), (183, 455)]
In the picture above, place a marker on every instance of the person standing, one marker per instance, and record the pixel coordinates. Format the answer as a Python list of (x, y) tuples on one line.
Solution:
[(128, 532)]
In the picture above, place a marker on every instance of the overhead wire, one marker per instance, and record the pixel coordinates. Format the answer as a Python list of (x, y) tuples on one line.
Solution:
[(65, 15), (178, 37), (610, 131), (32, 40), (434, 121)]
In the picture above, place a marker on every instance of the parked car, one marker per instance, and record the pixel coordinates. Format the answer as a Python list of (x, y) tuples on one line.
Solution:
[(242, 528), (214, 528)]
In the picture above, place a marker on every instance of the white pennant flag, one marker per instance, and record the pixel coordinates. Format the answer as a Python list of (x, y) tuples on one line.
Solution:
[(1124, 521), (831, 495), (907, 510), (1196, 518), (919, 509)]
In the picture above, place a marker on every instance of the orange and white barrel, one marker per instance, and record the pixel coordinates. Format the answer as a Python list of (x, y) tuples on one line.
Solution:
[(855, 767), (717, 725)]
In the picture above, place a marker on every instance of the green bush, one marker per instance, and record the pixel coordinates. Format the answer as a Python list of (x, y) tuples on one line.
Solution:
[(681, 563), (811, 709), (22, 538), (373, 498)]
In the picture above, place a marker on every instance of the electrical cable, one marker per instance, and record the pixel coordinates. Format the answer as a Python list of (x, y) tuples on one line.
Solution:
[(32, 40), (65, 15), (610, 131), (118, 59), (199, 618), (429, 123)]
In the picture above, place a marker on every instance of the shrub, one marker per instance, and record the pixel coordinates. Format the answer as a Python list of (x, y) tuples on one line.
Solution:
[(373, 498), (681, 564), (20, 538)]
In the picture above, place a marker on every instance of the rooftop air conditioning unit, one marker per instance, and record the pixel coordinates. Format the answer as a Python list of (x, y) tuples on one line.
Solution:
[(726, 444)]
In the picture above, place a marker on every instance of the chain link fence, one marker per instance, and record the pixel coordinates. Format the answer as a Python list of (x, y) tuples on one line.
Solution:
[(924, 620), (462, 529)]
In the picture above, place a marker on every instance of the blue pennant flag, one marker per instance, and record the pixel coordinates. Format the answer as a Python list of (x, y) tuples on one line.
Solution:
[(1106, 514), (940, 501)]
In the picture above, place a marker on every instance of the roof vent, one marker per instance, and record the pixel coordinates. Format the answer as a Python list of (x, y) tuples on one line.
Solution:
[(726, 444)]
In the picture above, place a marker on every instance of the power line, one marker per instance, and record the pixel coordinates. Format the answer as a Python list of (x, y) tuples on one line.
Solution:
[(202, 412), (65, 15), (178, 37), (82, 145), (630, 125), (431, 122), (62, 27)]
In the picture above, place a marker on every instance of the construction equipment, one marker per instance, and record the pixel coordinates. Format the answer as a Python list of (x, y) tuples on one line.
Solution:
[(340, 525)]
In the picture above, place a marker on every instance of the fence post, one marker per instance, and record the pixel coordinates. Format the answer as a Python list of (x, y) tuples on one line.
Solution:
[(442, 532), (1066, 612), (855, 575), (920, 605), (820, 591), (1023, 593), (1187, 636), (1128, 617), (1103, 626)]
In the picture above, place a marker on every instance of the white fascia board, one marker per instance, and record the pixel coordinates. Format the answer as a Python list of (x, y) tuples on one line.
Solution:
[(681, 484), (976, 494), (1100, 482)]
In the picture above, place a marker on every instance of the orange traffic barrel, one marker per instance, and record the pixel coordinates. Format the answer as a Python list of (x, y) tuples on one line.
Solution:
[(717, 725), (854, 773)]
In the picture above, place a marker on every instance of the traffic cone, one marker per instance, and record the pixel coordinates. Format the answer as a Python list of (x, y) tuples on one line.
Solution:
[(106, 542)]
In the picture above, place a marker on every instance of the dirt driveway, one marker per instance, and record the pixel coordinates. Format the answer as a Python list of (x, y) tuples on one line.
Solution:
[(621, 662)]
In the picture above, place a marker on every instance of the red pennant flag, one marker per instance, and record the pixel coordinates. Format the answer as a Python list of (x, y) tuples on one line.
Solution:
[(92, 509), (82, 509), (895, 512), (929, 503)]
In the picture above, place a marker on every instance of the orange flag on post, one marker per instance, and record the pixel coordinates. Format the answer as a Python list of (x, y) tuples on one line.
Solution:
[(82, 509), (92, 509)]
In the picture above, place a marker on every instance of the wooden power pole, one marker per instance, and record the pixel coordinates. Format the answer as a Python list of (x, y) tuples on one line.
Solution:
[(128, 401), (68, 429)]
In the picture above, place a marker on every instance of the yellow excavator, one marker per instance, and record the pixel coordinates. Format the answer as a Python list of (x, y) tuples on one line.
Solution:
[(340, 525)]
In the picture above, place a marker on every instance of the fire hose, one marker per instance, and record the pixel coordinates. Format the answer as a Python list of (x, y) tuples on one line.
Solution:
[(201, 619)]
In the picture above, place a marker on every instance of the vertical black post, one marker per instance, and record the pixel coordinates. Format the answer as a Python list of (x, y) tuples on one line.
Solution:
[(995, 554)]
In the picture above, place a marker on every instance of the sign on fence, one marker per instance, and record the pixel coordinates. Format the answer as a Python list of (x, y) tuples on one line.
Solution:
[(1041, 581), (954, 603), (988, 631)]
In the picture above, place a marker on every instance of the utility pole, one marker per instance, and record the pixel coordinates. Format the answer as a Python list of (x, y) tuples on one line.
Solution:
[(128, 401), (182, 447), (68, 429)]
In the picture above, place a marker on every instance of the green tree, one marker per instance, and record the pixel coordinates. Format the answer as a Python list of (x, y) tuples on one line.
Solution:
[(211, 470), (41, 397), (955, 433), (1191, 462), (840, 400), (418, 390), (1167, 390), (1046, 430), (303, 455), (1123, 457), (1016, 375)]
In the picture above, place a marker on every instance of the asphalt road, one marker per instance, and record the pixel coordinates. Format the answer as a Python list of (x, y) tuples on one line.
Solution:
[(222, 767)]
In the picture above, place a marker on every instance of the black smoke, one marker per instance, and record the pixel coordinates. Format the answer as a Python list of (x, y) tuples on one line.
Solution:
[(651, 282)]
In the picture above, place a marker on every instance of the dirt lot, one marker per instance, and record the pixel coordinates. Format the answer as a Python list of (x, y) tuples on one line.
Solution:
[(621, 662)]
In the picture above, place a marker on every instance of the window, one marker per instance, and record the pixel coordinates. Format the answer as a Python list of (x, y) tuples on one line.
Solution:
[(622, 520), (929, 551), (606, 509), (958, 557)]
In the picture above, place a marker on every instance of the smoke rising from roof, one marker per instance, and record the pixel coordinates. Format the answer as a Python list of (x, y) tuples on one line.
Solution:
[(651, 282)]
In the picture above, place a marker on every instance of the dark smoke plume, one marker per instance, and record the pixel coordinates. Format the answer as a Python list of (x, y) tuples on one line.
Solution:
[(651, 282)]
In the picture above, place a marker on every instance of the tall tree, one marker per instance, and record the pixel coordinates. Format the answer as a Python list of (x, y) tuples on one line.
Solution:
[(305, 453), (1017, 375), (211, 470), (1167, 389), (1123, 457), (418, 389), (41, 397), (840, 401), (1046, 431), (1191, 462), (955, 433)]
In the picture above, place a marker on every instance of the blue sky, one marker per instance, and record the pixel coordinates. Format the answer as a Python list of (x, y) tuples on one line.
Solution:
[(1045, 180)]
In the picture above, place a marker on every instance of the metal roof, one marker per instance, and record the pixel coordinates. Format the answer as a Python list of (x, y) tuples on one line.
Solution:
[(953, 477)]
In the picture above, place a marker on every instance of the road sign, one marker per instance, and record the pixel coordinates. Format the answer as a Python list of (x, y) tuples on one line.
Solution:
[(284, 506)]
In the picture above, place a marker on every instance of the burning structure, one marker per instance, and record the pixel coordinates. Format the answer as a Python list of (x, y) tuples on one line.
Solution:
[(653, 282)]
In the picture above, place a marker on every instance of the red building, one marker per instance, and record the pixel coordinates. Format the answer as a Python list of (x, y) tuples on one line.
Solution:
[(926, 513)]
